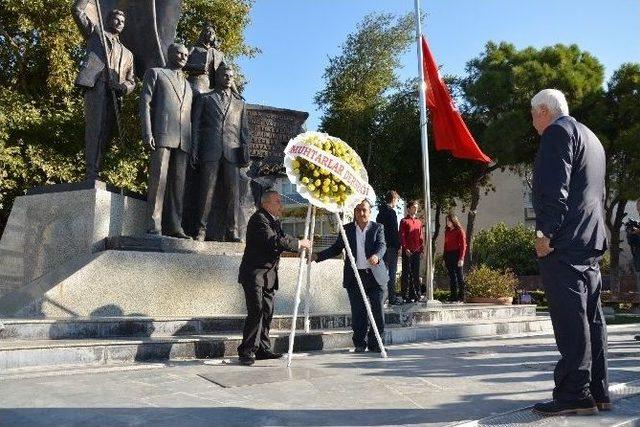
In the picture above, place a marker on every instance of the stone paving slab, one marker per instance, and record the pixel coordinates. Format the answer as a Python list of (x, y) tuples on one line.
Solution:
[(432, 384), (265, 375)]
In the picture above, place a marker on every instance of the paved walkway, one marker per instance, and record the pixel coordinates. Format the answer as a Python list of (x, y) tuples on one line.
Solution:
[(438, 383)]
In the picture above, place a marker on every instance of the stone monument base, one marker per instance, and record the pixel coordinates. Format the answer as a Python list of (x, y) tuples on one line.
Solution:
[(81, 250), (155, 284)]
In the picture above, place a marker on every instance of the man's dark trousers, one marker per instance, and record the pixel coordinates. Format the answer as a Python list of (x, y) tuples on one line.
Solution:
[(573, 293), (363, 334), (391, 261), (258, 322)]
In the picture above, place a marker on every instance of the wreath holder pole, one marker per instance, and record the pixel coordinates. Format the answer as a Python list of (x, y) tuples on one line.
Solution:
[(296, 304), (352, 260), (307, 296)]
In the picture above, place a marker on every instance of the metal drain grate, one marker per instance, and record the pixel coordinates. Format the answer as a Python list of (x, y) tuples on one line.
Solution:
[(526, 418)]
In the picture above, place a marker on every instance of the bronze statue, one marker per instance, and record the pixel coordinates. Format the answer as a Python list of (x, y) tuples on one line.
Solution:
[(165, 115), (204, 59), (106, 75), (221, 144)]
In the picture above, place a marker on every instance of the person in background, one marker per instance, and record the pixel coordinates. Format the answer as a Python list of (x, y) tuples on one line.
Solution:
[(633, 237), (455, 247), (412, 243), (389, 219)]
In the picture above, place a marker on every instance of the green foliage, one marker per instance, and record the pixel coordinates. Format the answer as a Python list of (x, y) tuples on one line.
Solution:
[(441, 295), (366, 105), (358, 79), (605, 264), (41, 112), (501, 82), (502, 247), (486, 282), (439, 268), (497, 94)]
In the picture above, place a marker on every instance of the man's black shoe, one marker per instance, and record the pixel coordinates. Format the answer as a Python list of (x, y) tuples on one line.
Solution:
[(586, 406), (267, 355), (360, 350), (247, 360), (180, 234)]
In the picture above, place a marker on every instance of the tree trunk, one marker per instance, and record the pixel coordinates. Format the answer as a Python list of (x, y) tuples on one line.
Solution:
[(436, 228), (614, 247), (471, 220)]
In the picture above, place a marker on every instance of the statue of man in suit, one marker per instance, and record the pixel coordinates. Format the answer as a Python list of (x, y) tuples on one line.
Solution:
[(165, 114), (101, 76), (204, 59), (221, 145)]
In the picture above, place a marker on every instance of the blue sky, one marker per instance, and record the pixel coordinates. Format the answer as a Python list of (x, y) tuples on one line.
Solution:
[(298, 36)]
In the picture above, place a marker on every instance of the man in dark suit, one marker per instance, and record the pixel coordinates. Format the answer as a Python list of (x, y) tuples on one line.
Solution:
[(165, 116), (568, 199), (366, 239), (259, 276), (388, 217), (221, 141), (98, 77)]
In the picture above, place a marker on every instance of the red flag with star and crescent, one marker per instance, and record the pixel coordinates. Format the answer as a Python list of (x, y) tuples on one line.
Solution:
[(449, 130)]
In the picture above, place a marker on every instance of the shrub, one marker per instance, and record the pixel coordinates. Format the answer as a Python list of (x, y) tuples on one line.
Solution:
[(605, 264), (487, 282), (440, 270), (502, 247), (441, 295)]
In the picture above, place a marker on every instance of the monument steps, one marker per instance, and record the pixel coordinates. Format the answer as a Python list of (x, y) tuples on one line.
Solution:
[(140, 326), (21, 354)]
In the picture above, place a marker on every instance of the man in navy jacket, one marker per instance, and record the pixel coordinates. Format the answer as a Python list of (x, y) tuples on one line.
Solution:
[(568, 199), (388, 217), (366, 239)]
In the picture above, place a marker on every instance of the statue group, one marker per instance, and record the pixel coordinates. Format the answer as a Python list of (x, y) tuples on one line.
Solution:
[(198, 120)]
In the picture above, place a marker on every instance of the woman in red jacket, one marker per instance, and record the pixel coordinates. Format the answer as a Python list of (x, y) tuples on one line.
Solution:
[(455, 247)]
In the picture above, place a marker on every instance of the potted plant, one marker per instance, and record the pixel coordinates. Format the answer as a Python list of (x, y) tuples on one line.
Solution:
[(490, 286)]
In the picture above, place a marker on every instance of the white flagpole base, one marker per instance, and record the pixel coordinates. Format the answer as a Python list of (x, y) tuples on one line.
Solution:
[(296, 304), (433, 303), (352, 260)]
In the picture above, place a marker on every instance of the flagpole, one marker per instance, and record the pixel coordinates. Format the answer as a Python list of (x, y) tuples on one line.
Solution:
[(428, 276)]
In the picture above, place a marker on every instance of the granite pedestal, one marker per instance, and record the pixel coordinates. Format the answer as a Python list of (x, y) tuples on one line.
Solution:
[(81, 250)]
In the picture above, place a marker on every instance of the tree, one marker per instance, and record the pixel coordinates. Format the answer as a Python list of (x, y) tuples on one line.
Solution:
[(614, 116), (41, 112), (358, 79), (398, 160), (365, 104), (497, 92)]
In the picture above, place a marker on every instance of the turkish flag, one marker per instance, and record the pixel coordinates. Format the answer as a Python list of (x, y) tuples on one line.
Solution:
[(449, 129)]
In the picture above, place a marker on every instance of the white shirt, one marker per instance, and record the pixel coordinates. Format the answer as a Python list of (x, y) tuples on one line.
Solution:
[(361, 256)]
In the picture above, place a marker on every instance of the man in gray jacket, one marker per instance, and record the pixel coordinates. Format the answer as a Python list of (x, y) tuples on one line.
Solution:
[(221, 145), (99, 76), (165, 115), (568, 199)]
